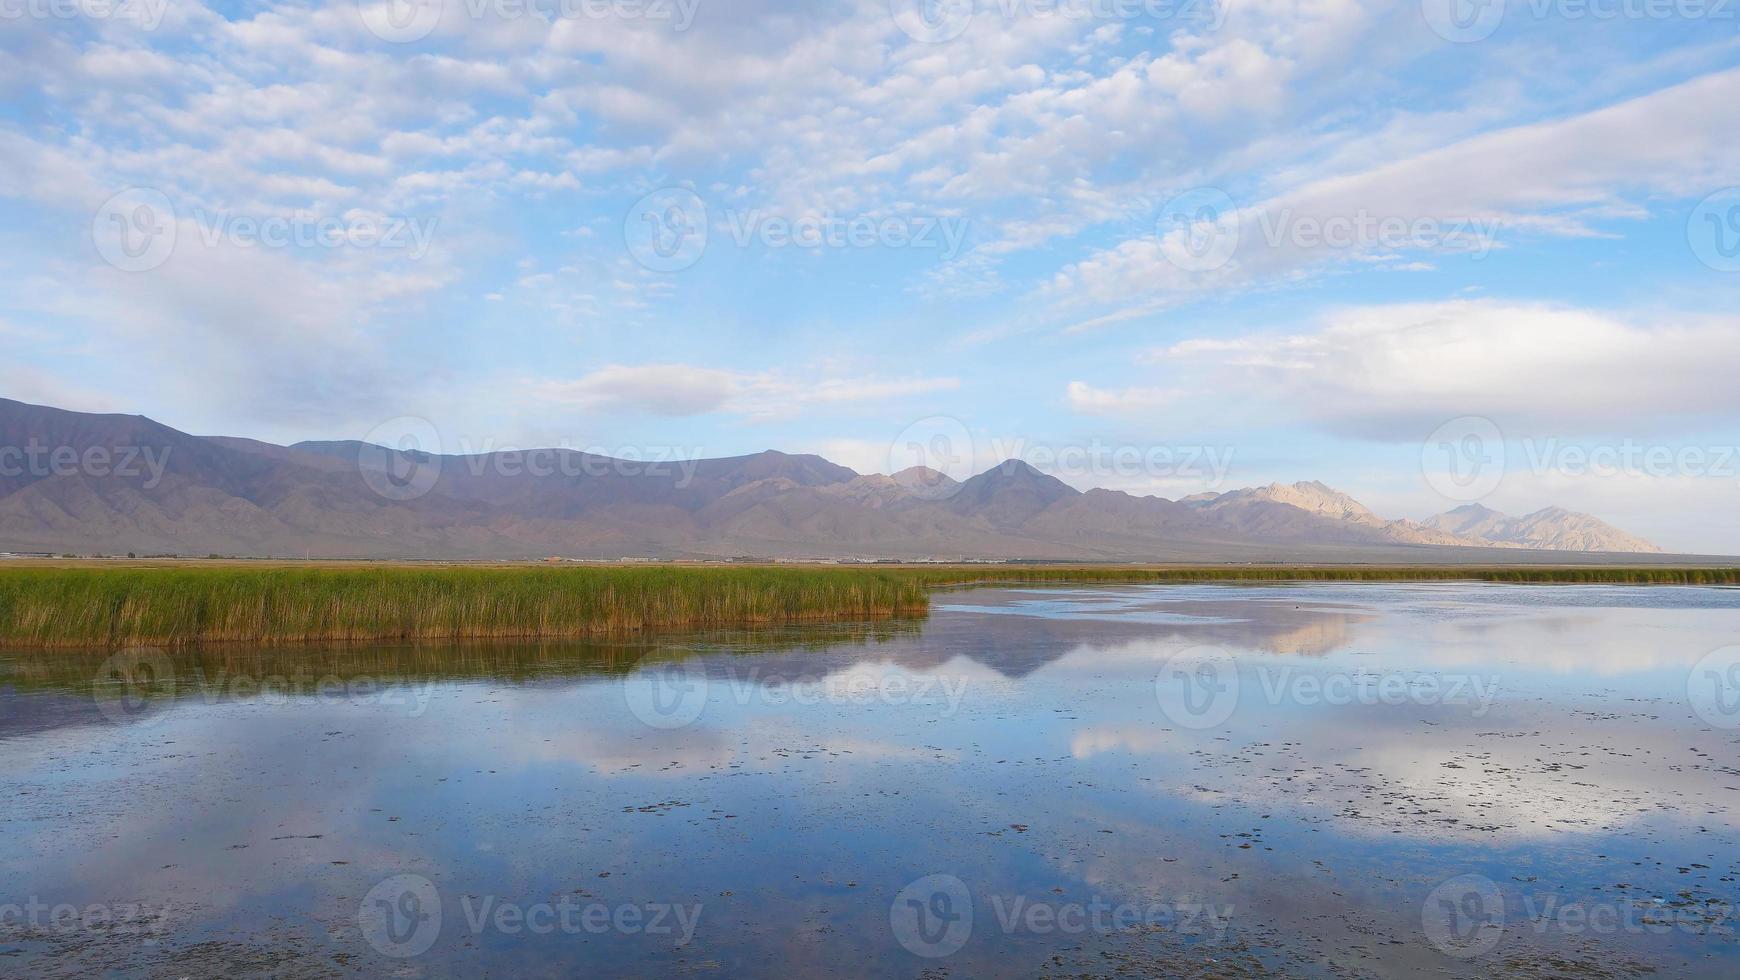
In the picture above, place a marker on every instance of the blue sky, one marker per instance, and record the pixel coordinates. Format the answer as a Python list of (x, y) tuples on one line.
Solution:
[(1080, 232)]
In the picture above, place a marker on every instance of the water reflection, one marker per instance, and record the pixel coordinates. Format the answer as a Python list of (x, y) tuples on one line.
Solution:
[(1016, 766)]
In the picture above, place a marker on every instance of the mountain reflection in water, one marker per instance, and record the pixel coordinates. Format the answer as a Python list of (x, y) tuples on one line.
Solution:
[(797, 788)]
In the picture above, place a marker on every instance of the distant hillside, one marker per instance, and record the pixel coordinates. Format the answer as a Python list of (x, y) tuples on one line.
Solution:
[(162, 491), (1552, 528)]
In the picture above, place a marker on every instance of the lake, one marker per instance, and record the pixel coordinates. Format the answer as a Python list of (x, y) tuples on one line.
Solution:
[(1193, 780)]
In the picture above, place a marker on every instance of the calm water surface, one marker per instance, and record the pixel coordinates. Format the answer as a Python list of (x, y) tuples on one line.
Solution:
[(1336, 780)]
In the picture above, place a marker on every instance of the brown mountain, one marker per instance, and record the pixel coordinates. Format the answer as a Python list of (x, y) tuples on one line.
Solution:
[(1551, 528), (111, 484)]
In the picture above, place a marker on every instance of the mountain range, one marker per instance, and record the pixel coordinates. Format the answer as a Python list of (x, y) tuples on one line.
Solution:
[(80, 483)]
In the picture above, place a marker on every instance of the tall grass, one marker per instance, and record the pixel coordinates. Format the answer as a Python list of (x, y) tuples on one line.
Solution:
[(50, 606), (169, 606)]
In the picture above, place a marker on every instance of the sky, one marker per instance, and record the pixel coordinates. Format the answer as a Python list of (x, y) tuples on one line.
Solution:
[(1429, 252)]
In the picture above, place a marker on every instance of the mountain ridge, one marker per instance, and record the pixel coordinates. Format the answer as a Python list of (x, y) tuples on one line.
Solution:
[(188, 494)]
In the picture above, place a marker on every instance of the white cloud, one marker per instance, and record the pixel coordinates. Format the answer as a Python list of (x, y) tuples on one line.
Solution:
[(685, 390), (1562, 178), (1398, 371), (658, 389), (1085, 399)]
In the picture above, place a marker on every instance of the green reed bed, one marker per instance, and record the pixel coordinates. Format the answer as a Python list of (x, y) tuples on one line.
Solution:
[(88, 606), (169, 606)]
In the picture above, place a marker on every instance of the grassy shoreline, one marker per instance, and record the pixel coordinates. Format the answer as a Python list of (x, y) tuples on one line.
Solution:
[(178, 605)]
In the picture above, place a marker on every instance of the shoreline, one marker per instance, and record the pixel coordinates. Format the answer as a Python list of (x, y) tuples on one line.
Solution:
[(120, 603)]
